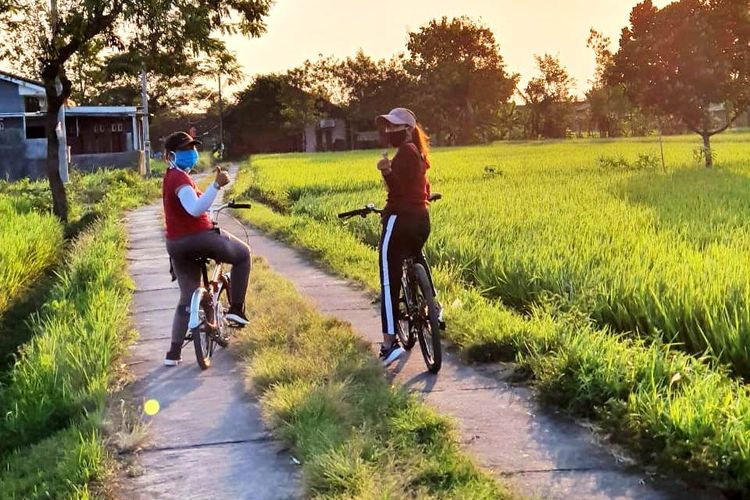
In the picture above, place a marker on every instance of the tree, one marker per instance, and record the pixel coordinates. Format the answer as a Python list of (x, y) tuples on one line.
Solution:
[(689, 60), (373, 87), (47, 37), (461, 81), (609, 103), (549, 99), (273, 107), (364, 87)]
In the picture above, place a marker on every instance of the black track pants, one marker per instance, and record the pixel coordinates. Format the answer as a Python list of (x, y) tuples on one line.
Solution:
[(403, 236)]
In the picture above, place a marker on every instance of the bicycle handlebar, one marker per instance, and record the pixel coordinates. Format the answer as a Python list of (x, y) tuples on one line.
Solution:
[(232, 204), (353, 213), (370, 209)]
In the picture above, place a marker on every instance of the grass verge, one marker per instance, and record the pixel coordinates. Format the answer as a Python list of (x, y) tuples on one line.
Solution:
[(356, 436), (62, 373), (673, 409), (54, 394), (63, 465)]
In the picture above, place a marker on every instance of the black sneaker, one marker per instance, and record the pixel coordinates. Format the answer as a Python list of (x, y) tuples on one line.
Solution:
[(172, 359), (390, 354), (237, 315)]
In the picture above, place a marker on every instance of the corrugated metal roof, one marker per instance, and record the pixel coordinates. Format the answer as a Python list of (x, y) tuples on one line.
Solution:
[(101, 111), (20, 79)]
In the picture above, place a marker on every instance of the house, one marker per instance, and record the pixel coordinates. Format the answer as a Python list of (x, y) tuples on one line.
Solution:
[(328, 134), (581, 118), (23, 142), (90, 136), (104, 136)]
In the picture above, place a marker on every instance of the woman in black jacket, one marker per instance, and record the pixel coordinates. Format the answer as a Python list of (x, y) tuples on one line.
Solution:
[(406, 220)]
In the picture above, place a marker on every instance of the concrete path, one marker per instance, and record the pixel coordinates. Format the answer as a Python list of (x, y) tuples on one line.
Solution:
[(540, 454), (208, 441)]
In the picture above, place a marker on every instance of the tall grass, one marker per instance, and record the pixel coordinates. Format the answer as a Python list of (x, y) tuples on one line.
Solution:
[(356, 436), (63, 466), (672, 408), (63, 371), (659, 253), (29, 244)]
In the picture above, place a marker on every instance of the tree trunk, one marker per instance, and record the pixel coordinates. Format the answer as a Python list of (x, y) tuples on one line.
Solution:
[(707, 149), (59, 198)]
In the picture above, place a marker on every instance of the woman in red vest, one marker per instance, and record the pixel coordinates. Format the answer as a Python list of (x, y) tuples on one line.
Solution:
[(191, 236)]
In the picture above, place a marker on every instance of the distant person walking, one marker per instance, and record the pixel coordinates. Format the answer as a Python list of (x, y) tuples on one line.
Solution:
[(406, 220), (191, 236)]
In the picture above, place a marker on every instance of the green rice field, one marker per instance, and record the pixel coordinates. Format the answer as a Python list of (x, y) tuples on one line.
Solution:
[(619, 287), (660, 253)]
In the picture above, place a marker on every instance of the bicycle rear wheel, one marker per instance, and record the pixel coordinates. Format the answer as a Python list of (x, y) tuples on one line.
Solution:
[(203, 340), (428, 322), (404, 329)]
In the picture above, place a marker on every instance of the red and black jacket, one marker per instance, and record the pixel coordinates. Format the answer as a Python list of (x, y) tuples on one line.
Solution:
[(408, 187)]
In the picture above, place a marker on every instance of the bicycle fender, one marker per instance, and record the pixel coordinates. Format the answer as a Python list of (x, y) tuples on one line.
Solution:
[(195, 307)]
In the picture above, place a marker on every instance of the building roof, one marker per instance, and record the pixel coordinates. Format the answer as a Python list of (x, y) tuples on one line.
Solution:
[(23, 81), (101, 111)]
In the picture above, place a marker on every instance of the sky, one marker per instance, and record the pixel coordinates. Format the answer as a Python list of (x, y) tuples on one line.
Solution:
[(302, 29)]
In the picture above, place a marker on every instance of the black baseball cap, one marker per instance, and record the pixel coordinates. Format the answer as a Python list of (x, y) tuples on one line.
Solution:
[(180, 140)]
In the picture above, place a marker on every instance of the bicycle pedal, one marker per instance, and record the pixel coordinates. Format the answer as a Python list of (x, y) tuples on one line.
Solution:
[(223, 342)]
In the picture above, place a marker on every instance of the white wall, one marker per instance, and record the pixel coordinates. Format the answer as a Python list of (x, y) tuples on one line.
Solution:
[(337, 133)]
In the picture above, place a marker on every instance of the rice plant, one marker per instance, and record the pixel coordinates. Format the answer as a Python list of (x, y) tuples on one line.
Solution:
[(662, 253)]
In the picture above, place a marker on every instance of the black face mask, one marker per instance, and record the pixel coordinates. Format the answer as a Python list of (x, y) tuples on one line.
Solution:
[(397, 138)]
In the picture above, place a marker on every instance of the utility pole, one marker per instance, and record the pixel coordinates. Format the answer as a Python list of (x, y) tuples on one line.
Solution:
[(221, 122), (146, 136)]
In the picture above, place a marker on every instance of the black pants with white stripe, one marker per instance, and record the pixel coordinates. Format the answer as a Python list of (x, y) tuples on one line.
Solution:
[(404, 236)]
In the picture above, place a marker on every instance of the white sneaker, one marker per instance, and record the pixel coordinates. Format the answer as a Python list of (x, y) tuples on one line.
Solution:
[(169, 360), (237, 317), (391, 354)]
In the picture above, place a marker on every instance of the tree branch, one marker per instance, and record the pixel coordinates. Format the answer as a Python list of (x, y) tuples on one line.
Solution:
[(729, 123)]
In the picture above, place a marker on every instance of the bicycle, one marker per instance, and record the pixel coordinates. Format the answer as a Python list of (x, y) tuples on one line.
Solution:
[(418, 314), (207, 327)]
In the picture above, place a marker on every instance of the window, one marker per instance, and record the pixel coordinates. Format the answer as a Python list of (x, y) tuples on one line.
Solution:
[(35, 132), (31, 104), (119, 127), (2, 125)]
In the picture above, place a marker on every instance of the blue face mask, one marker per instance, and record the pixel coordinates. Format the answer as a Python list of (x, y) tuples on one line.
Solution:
[(185, 160)]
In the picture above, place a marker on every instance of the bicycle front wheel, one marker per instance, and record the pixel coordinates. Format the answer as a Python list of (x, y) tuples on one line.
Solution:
[(428, 322), (221, 306), (203, 340)]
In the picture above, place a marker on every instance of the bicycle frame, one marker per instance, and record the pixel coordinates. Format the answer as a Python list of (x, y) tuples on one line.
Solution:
[(208, 294), (407, 283)]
